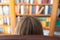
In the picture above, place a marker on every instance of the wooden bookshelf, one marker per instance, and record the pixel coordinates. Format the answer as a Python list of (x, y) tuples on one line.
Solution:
[(58, 29), (4, 4)]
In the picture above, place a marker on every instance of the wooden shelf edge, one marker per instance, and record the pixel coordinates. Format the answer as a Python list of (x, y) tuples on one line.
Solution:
[(4, 4), (58, 29), (40, 15)]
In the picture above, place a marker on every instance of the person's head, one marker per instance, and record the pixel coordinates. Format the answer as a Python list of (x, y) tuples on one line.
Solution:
[(29, 25)]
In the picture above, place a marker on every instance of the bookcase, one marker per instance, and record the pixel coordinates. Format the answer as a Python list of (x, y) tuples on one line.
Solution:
[(43, 10), (7, 16)]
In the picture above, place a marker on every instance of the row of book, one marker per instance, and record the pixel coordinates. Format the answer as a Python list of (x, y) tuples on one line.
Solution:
[(35, 1), (4, 1), (5, 30), (33, 9), (4, 10), (5, 20)]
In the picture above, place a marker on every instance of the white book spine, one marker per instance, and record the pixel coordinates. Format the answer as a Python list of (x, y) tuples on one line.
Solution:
[(1, 21), (1, 12), (37, 9), (27, 1), (51, 1), (6, 1), (2, 1), (6, 10), (31, 1), (46, 10), (39, 1), (8, 21), (22, 9)]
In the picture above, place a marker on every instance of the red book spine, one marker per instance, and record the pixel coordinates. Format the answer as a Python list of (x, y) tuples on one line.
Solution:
[(27, 9), (34, 9), (44, 1)]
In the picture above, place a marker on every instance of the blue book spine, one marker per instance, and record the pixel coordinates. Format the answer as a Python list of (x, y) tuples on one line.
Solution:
[(32, 9), (49, 9), (0, 1), (5, 20)]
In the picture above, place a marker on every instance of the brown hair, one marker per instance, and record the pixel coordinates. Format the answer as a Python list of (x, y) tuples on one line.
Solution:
[(29, 25)]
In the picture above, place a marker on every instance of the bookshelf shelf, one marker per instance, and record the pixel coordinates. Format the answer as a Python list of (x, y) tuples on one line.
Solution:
[(32, 4), (4, 4), (58, 18), (57, 29), (40, 15)]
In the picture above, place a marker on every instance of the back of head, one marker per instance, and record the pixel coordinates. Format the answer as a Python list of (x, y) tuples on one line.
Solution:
[(29, 25)]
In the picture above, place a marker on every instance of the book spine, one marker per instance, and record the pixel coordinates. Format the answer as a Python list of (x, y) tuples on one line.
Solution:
[(35, 2), (6, 10), (27, 1), (40, 11), (51, 1), (8, 21), (1, 1), (22, 9), (1, 21), (46, 10), (17, 1), (49, 9), (5, 20), (17, 9), (48, 1), (44, 1), (39, 1), (30, 10), (22, 1), (6, 1), (1, 11), (37, 9), (31, 1), (27, 9)]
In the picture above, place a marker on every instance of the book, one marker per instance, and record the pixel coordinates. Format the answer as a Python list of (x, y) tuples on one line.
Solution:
[(17, 9), (6, 1), (1, 30), (44, 1), (1, 20), (39, 1), (1, 11), (9, 30), (46, 10), (37, 9), (0, 1), (22, 9), (27, 1), (49, 9), (31, 1), (17, 1), (51, 1), (40, 11), (33, 10), (22, 1), (6, 10), (4, 20), (27, 9), (48, 1), (30, 10), (8, 21), (35, 1)]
